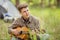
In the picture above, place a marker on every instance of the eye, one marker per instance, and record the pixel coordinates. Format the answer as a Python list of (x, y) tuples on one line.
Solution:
[(27, 10), (24, 11)]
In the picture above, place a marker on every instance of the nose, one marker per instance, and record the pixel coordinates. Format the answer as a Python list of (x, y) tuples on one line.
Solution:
[(27, 12)]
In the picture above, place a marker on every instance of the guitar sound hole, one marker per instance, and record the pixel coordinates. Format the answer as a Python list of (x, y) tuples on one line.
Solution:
[(20, 32)]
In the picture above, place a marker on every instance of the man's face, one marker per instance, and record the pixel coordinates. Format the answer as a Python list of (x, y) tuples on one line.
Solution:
[(25, 12)]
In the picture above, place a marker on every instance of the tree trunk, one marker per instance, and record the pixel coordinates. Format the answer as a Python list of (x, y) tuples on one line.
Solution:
[(29, 1), (49, 3), (17, 3), (42, 3), (58, 3)]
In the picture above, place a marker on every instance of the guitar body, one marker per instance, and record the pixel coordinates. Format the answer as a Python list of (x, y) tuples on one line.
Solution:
[(24, 34)]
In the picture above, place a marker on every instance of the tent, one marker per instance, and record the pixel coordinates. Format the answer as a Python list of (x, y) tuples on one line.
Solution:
[(2, 10), (11, 9)]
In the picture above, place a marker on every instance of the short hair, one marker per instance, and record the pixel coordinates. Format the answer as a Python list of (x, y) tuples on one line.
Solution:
[(21, 6)]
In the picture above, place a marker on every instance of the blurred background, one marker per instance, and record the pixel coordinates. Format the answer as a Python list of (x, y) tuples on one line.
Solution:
[(48, 12)]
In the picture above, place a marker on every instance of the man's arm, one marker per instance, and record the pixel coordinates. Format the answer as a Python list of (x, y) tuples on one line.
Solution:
[(37, 27), (13, 25)]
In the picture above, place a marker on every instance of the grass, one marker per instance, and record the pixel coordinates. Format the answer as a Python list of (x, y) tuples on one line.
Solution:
[(49, 19), (4, 30)]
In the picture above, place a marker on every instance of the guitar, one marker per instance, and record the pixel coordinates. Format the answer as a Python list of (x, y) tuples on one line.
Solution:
[(23, 32)]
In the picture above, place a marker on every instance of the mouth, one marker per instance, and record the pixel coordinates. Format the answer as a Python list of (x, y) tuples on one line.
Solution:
[(26, 14)]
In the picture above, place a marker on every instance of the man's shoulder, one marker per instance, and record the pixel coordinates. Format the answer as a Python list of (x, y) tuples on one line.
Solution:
[(35, 18)]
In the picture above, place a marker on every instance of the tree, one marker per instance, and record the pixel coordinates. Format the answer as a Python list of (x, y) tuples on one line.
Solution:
[(17, 3), (50, 3), (29, 1), (43, 3), (58, 3)]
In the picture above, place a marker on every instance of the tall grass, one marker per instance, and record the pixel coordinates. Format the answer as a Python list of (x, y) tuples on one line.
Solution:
[(49, 19)]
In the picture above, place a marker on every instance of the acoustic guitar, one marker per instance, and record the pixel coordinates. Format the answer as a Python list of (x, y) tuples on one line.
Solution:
[(23, 32)]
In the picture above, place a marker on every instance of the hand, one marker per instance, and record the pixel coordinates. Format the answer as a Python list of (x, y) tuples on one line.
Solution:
[(37, 31), (33, 32), (15, 32)]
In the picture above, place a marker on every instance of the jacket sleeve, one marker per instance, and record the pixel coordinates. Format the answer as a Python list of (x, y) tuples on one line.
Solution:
[(37, 27), (13, 25)]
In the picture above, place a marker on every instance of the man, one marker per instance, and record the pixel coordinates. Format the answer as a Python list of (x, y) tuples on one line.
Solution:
[(25, 20)]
